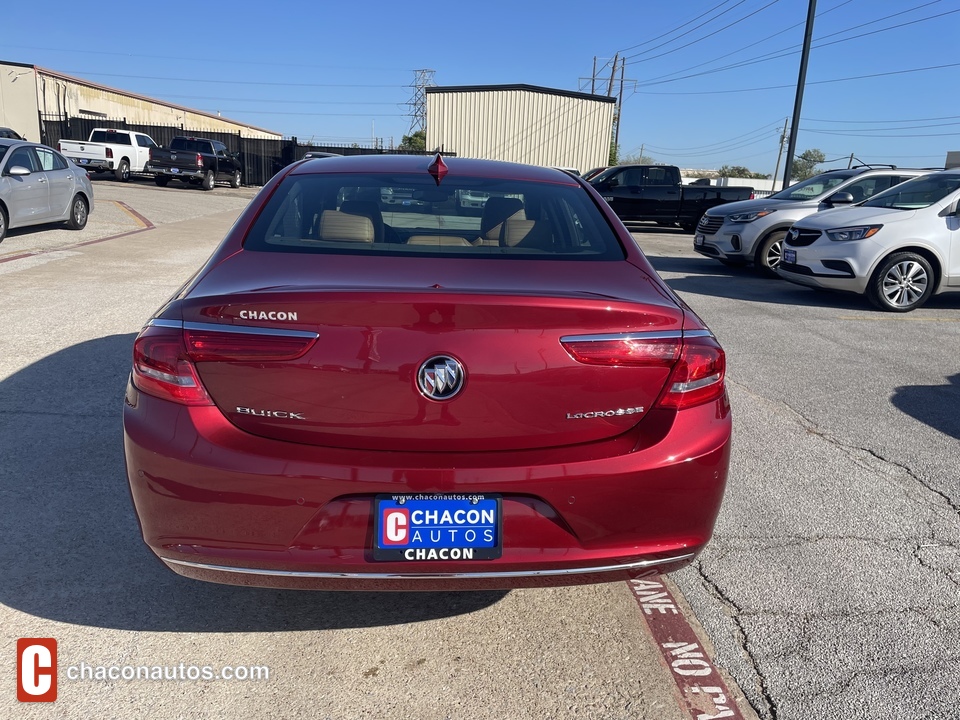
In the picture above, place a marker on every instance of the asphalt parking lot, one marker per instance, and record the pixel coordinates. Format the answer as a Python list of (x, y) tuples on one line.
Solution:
[(830, 589)]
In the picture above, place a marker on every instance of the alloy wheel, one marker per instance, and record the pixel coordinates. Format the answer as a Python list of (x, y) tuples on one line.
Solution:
[(905, 283)]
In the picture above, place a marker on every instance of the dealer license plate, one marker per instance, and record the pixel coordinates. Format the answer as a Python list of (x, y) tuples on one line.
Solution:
[(698, 239), (790, 256), (437, 527)]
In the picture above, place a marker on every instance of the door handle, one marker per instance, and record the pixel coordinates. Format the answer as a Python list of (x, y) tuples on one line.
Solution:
[(43, 180)]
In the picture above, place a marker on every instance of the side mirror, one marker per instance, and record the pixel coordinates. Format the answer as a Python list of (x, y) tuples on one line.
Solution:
[(951, 210), (19, 170), (840, 198)]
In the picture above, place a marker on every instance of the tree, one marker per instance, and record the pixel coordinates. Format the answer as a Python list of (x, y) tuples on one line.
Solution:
[(805, 164), (417, 142), (738, 171), (637, 160)]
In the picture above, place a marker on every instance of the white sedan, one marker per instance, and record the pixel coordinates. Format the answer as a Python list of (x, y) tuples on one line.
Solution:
[(39, 185)]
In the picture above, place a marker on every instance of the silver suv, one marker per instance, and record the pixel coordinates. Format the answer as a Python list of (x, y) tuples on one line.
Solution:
[(752, 231)]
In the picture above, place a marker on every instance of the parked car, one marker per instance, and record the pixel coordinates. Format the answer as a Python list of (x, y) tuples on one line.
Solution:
[(121, 152), (752, 231), (197, 161), (38, 185), (655, 193), (899, 248), (461, 403), (9, 134)]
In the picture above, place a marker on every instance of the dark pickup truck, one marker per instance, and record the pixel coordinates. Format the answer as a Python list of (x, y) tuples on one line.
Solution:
[(195, 160), (655, 193)]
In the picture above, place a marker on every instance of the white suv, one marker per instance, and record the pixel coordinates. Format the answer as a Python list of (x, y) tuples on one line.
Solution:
[(898, 248), (752, 231)]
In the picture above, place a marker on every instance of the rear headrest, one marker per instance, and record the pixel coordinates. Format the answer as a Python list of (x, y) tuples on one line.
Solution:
[(515, 230), (495, 211), (336, 225)]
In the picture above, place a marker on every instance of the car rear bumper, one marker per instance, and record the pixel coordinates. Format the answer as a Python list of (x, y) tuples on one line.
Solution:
[(218, 504), (194, 174), (93, 164)]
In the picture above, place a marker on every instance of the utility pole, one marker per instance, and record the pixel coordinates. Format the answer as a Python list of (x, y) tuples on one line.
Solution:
[(850, 162), (593, 77), (616, 140), (613, 74), (798, 101), (783, 139)]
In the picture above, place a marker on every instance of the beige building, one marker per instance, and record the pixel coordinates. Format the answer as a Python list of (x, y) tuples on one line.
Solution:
[(28, 91), (521, 123)]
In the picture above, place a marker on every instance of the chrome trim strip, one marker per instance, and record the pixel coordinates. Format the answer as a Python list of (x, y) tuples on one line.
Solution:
[(239, 329), (652, 335), (639, 565)]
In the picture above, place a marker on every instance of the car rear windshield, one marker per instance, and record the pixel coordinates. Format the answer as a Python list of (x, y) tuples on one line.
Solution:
[(107, 136), (190, 145), (410, 214), (813, 187), (915, 194)]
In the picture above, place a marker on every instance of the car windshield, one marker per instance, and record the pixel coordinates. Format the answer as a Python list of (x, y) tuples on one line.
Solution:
[(812, 188), (3, 151), (400, 214), (915, 194)]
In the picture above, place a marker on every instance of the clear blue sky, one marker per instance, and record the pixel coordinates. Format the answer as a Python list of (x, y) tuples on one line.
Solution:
[(342, 71)]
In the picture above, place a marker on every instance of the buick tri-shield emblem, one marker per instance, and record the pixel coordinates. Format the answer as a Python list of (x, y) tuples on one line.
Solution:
[(793, 234), (440, 377)]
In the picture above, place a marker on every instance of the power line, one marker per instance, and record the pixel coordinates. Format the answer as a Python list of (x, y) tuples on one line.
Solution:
[(715, 32), (763, 128), (227, 82), (706, 22), (679, 27)]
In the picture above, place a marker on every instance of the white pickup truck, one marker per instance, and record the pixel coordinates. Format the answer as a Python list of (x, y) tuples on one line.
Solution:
[(118, 151)]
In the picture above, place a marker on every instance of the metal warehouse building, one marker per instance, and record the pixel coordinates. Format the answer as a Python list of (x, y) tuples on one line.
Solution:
[(521, 123), (30, 95)]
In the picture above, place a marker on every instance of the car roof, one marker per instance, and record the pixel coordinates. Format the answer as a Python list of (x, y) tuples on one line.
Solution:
[(419, 164)]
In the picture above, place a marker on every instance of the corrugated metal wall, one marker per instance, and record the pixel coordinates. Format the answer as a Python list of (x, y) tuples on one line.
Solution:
[(524, 126)]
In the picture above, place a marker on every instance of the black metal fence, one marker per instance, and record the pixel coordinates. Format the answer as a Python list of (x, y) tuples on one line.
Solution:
[(261, 158)]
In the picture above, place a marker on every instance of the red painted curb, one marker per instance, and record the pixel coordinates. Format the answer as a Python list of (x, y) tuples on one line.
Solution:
[(700, 687)]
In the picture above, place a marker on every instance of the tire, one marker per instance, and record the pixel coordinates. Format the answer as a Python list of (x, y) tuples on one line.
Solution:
[(122, 173), (79, 211), (209, 180), (235, 179), (161, 180), (903, 282), (3, 224), (770, 252)]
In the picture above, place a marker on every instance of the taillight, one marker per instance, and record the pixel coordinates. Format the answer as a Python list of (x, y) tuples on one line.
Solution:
[(199, 160), (652, 352), (59, 146), (698, 376), (162, 368), (698, 363), (164, 357), (216, 346), (110, 152)]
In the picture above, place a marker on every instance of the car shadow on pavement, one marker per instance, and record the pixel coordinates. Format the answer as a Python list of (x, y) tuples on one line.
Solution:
[(71, 550), (934, 405)]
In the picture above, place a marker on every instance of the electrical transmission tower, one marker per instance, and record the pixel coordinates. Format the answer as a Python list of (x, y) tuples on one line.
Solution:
[(418, 116)]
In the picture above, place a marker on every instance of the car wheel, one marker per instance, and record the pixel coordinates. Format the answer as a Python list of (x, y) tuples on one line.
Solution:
[(122, 172), (771, 252), (78, 213), (235, 180), (3, 224), (161, 180), (208, 180), (903, 282)]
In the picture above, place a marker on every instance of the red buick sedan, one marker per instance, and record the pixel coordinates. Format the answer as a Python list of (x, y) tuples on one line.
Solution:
[(424, 395)]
